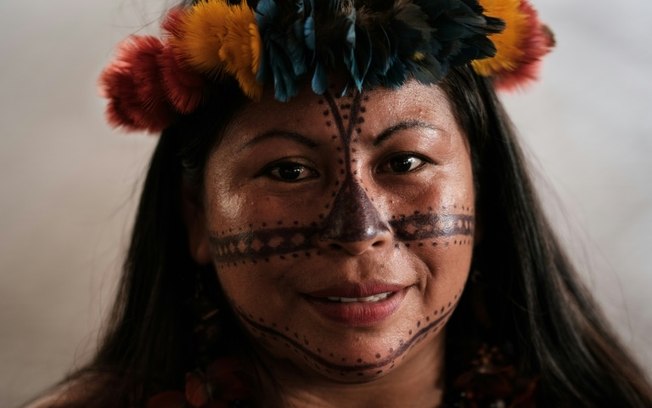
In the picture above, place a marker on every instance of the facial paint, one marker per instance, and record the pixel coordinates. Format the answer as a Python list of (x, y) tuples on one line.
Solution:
[(259, 244), (352, 216), (347, 215), (330, 362)]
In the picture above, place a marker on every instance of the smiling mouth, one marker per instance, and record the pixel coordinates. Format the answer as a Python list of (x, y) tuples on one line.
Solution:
[(368, 299), (357, 305)]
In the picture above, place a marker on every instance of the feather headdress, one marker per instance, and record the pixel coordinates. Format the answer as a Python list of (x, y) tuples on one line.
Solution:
[(284, 44)]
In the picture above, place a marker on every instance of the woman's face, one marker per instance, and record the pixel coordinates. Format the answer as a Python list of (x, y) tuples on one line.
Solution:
[(341, 228)]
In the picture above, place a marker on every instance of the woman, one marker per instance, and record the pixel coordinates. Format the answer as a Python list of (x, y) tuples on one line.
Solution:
[(338, 214)]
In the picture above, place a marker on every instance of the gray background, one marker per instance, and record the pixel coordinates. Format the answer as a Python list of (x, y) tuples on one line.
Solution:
[(68, 184)]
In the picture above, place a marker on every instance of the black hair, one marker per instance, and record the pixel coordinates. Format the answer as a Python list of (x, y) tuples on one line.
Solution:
[(531, 294), (528, 295)]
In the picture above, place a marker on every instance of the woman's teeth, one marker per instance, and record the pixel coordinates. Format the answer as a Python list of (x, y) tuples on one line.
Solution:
[(373, 298)]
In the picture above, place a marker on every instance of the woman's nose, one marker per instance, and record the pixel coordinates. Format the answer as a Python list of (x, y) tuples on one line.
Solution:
[(354, 225)]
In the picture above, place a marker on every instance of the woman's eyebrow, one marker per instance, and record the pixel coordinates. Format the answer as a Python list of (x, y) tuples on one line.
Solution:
[(409, 124), (281, 134)]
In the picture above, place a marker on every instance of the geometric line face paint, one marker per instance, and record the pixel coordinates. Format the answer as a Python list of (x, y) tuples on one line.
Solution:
[(359, 367), (263, 243), (424, 226), (357, 194), (352, 216)]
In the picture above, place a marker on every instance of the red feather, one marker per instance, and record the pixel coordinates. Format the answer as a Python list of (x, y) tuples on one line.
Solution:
[(117, 85), (149, 82), (134, 87), (538, 41), (184, 88), (173, 21)]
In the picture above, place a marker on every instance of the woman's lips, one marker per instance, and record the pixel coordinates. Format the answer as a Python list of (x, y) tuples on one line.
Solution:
[(357, 305)]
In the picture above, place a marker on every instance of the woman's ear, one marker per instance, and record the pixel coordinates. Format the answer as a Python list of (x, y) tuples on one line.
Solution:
[(195, 220)]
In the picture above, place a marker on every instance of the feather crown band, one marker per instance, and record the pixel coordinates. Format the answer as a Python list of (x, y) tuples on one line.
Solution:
[(286, 43)]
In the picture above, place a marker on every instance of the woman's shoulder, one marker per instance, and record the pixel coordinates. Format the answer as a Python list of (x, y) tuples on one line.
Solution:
[(51, 400), (70, 393)]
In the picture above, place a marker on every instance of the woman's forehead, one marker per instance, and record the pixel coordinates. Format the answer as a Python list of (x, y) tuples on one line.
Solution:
[(374, 110)]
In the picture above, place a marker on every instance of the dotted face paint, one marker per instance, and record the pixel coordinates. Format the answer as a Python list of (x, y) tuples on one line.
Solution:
[(352, 216), (262, 244), (341, 228), (330, 362)]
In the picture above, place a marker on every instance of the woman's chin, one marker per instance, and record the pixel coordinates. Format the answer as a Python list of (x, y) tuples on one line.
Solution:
[(351, 341), (351, 356)]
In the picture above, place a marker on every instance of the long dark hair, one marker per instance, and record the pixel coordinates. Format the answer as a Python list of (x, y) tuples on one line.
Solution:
[(531, 297)]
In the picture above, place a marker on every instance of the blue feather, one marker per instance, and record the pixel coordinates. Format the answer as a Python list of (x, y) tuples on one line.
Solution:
[(309, 33), (375, 45), (284, 84), (319, 79), (363, 54)]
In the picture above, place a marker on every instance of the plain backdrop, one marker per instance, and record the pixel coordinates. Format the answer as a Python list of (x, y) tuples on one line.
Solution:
[(68, 183)]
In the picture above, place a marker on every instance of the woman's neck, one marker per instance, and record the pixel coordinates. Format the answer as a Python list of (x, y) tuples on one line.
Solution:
[(417, 382)]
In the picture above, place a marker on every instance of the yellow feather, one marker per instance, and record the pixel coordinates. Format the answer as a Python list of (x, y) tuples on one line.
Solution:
[(204, 30), (507, 42), (256, 47), (217, 37), (418, 56), (237, 52)]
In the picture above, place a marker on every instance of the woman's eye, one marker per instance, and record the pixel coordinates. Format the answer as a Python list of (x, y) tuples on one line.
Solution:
[(290, 172), (403, 163)]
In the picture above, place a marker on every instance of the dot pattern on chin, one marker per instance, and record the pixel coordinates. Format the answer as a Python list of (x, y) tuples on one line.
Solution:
[(331, 362)]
